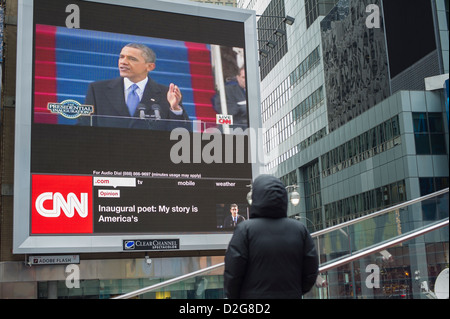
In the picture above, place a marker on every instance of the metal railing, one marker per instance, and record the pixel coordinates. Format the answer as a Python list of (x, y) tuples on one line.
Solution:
[(332, 265), (379, 213), (383, 246)]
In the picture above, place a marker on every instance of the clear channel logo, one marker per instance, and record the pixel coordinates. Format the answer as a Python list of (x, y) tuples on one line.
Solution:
[(129, 244), (152, 244)]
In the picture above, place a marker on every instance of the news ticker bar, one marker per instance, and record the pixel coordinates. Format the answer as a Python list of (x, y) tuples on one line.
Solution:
[(131, 182)]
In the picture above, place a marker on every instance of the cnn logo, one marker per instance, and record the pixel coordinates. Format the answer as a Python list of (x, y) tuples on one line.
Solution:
[(61, 204), (224, 119)]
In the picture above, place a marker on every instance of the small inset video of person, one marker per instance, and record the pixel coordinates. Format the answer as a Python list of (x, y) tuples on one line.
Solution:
[(233, 219)]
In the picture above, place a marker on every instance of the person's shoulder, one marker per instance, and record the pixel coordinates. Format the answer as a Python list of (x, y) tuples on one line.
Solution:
[(232, 87), (293, 224)]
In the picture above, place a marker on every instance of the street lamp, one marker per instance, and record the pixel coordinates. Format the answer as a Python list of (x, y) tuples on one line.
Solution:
[(249, 195), (270, 43), (278, 32), (294, 196), (287, 19), (264, 53)]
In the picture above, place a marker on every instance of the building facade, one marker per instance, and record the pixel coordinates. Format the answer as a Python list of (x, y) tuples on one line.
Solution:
[(347, 115)]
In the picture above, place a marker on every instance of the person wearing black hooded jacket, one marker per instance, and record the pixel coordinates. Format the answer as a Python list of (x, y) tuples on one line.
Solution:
[(270, 256)]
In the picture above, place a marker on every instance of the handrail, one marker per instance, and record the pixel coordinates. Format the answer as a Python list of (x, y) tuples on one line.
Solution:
[(377, 248), (169, 282), (380, 212), (336, 264), (327, 267)]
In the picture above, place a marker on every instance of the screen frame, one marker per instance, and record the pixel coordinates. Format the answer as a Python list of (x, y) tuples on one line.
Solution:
[(23, 242)]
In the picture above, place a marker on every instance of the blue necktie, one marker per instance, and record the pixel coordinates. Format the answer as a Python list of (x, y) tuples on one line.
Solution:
[(133, 99)]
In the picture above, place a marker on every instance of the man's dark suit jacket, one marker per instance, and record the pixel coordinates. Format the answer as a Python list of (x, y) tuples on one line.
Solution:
[(108, 99), (228, 223), (235, 96)]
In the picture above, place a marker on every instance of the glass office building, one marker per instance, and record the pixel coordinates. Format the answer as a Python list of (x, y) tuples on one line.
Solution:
[(346, 112), (348, 116)]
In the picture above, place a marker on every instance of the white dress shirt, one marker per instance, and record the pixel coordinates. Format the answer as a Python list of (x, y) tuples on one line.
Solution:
[(140, 91)]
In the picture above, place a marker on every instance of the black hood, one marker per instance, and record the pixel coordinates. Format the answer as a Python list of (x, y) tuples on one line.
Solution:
[(269, 198)]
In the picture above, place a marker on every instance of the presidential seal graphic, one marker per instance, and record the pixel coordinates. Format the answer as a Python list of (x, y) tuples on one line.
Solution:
[(70, 109)]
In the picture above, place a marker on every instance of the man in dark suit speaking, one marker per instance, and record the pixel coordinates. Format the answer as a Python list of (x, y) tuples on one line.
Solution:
[(232, 220), (134, 100)]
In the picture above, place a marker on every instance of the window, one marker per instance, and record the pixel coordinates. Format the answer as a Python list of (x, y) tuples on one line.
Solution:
[(365, 203), (433, 209), (266, 27), (430, 185), (314, 8), (395, 127), (379, 139), (313, 197), (289, 179), (429, 133), (284, 128), (303, 69), (447, 12)]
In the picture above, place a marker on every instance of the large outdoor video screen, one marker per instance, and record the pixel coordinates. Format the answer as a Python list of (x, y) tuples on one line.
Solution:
[(134, 125)]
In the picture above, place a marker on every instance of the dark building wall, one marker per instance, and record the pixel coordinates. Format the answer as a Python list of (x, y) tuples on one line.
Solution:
[(409, 32), (411, 43), (363, 65), (355, 62)]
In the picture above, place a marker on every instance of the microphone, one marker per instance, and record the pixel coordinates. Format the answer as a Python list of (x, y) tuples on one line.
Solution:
[(141, 109), (156, 108)]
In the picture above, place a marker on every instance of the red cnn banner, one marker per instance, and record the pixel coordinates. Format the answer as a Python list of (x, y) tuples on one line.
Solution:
[(61, 204)]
